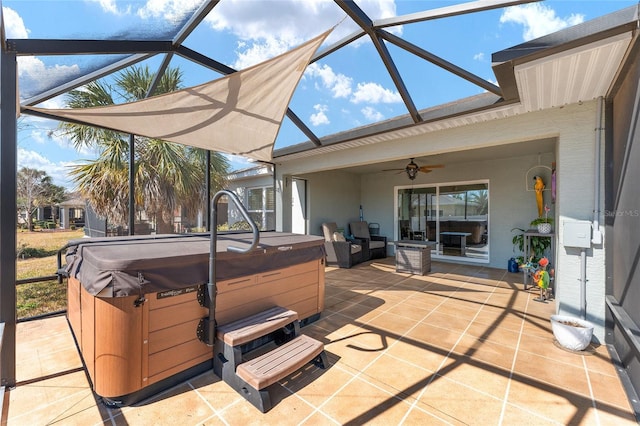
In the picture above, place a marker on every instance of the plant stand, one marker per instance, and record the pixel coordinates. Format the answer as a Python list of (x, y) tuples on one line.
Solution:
[(527, 244)]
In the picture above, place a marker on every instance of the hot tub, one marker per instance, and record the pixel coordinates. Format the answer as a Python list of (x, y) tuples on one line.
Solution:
[(135, 303)]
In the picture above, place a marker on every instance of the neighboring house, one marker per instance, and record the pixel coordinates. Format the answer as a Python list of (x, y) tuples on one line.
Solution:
[(72, 213), (255, 189)]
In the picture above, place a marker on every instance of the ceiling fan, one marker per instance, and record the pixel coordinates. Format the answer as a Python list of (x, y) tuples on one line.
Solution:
[(412, 169)]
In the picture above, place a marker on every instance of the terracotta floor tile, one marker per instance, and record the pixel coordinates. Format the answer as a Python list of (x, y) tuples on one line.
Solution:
[(412, 312), (360, 402), (450, 321), (50, 400), (493, 333), (404, 378), (395, 324), (499, 317), (418, 353), (456, 330), (608, 391), (214, 391), (316, 386), (558, 374), (434, 336), (524, 417), (478, 377), (556, 403), (600, 361), (486, 352), (459, 404)]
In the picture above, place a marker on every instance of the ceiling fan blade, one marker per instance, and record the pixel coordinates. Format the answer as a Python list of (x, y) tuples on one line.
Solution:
[(393, 170), (425, 170), (432, 166)]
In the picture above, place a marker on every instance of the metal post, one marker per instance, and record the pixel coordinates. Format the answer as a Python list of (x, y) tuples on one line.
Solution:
[(8, 216), (132, 184), (208, 190), (583, 284)]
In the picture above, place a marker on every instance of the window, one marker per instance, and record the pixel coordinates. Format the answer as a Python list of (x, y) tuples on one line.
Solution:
[(454, 217), (261, 207)]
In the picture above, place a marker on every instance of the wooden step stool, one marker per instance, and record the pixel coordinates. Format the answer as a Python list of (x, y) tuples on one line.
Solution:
[(251, 378)]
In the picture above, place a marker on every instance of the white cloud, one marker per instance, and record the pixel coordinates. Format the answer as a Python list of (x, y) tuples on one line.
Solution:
[(33, 73), (14, 25), (36, 76), (538, 20), (255, 53), (57, 171), (375, 94), (372, 114), (320, 117), (298, 20), (479, 56), (339, 84), (171, 10), (108, 6)]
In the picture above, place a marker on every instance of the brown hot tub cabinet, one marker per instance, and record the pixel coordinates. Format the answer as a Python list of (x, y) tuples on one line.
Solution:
[(135, 305)]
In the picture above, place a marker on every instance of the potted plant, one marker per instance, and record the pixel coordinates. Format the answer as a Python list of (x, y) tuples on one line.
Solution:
[(538, 246), (543, 223)]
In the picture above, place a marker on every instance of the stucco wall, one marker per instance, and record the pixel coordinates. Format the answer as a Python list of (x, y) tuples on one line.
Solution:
[(333, 197), (510, 204)]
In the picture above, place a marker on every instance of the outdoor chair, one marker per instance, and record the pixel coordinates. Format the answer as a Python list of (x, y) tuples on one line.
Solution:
[(340, 251), (373, 246)]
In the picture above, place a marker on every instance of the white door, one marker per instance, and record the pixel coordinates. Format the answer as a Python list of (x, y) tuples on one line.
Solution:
[(298, 206)]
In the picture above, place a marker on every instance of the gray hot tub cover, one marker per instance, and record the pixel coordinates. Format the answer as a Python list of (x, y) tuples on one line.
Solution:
[(140, 265)]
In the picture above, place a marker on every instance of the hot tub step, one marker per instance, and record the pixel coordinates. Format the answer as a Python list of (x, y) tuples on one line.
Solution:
[(251, 377), (267, 369), (250, 328)]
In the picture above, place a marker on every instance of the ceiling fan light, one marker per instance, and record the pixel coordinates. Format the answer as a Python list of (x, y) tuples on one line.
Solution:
[(412, 170)]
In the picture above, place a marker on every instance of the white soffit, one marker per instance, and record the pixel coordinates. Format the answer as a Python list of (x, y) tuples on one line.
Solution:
[(573, 76), (411, 131)]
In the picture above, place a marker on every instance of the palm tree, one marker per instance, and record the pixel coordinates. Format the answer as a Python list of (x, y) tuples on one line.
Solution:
[(167, 175)]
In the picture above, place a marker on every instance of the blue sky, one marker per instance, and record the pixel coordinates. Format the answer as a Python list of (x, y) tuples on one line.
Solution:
[(346, 89)]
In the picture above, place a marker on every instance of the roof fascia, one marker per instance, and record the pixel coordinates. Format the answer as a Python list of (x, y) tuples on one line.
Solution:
[(615, 23), (632, 55), (505, 61)]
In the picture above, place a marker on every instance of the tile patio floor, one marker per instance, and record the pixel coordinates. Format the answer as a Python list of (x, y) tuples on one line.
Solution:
[(461, 345)]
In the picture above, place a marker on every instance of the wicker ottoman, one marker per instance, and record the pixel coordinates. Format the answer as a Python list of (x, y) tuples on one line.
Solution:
[(413, 258)]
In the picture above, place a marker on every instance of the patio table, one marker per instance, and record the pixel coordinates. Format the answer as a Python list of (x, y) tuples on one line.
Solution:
[(455, 239)]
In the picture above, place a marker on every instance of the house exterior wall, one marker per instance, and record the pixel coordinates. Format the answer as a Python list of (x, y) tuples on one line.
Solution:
[(333, 196), (573, 126)]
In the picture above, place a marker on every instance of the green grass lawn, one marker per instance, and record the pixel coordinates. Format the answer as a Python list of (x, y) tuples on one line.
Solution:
[(39, 298)]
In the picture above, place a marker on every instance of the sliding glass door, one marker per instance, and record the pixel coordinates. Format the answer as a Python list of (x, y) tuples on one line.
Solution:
[(454, 217)]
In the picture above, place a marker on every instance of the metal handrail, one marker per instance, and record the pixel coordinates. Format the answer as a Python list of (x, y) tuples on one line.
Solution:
[(211, 285)]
